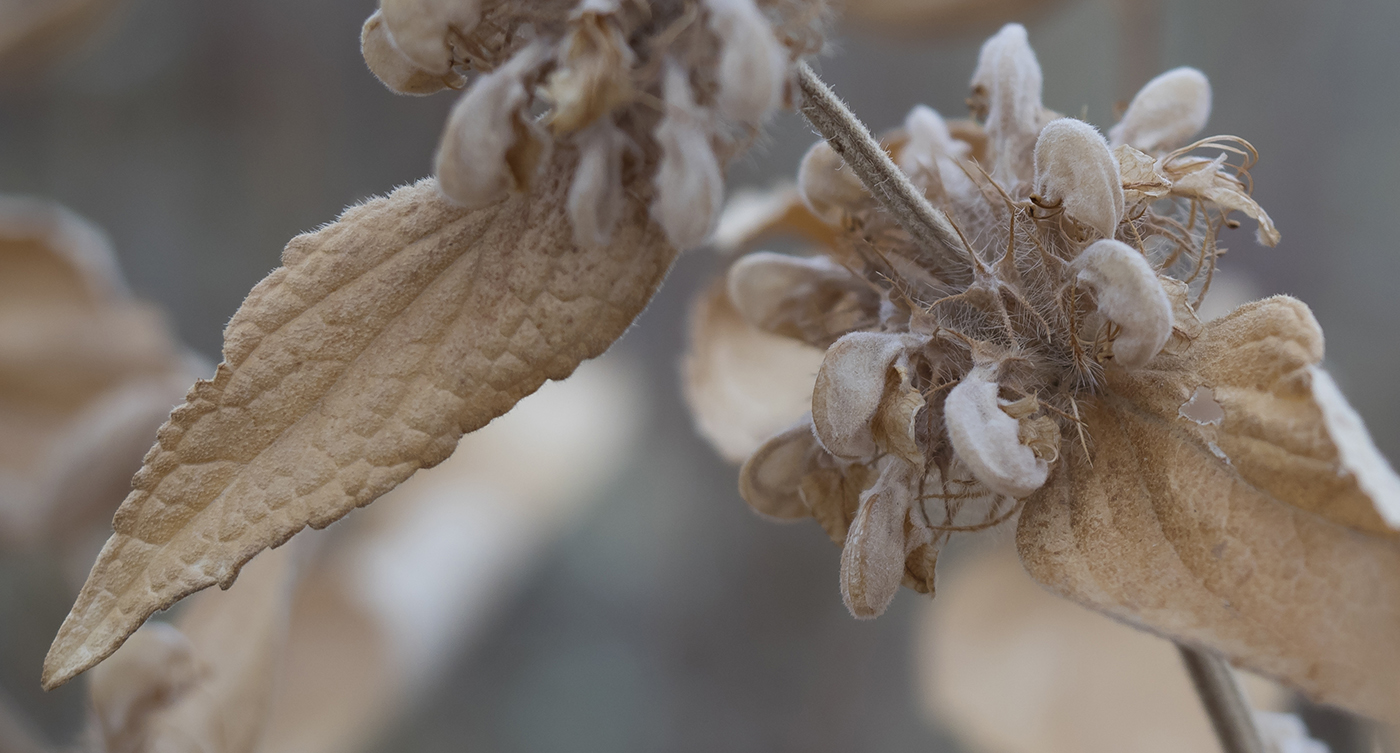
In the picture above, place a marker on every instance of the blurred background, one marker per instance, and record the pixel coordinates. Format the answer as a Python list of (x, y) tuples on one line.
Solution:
[(665, 615)]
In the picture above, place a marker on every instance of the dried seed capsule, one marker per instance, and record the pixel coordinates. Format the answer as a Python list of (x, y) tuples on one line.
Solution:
[(828, 186), (596, 196), (1006, 90), (392, 68), (420, 28), (753, 63), (1166, 113), (872, 560), (1073, 165), (491, 146), (987, 440), (689, 184), (1131, 296)]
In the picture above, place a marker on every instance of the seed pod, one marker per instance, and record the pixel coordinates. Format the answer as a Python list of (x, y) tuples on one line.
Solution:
[(1073, 165), (753, 63), (1166, 113), (851, 390), (1131, 296), (491, 145), (872, 560), (596, 196), (828, 186), (420, 28), (392, 68), (689, 184), (1006, 90), (987, 440)]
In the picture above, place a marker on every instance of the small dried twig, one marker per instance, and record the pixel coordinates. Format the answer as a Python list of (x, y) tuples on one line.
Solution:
[(1225, 703)]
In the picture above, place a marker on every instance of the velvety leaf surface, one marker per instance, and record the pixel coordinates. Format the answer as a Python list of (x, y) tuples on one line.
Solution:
[(383, 338)]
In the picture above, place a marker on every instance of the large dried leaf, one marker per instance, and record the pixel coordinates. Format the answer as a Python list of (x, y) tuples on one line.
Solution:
[(1010, 668), (1233, 517), (383, 338)]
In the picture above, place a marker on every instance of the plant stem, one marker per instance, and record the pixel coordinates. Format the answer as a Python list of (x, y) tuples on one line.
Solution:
[(1225, 703), (850, 138)]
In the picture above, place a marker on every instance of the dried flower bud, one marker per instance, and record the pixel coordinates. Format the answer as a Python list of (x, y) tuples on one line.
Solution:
[(771, 478), (1006, 89), (491, 145), (812, 299), (872, 561), (827, 185), (752, 65), (420, 28), (594, 76), (851, 388), (596, 195), (689, 184), (392, 68), (1131, 296), (988, 440), (1073, 165), (1166, 113)]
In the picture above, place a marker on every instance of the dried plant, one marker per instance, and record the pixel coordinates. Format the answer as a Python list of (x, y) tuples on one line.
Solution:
[(1010, 332)]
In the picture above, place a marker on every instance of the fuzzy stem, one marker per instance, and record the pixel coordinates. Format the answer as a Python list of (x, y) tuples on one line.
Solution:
[(1225, 703), (850, 138)]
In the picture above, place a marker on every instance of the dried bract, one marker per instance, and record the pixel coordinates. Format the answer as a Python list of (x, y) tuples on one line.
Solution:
[(1075, 169), (1166, 113)]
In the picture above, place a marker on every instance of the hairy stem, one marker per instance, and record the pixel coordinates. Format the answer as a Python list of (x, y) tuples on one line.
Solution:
[(1225, 703), (850, 138)]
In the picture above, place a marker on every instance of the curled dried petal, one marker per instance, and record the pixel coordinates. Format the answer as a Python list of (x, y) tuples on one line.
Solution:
[(1006, 89), (1073, 165), (850, 388), (1142, 177), (827, 185), (811, 299), (394, 70), (987, 440), (753, 63), (1166, 112), (596, 195), (689, 184), (1201, 178), (770, 480), (872, 562), (1130, 295), (491, 146), (420, 29), (594, 76)]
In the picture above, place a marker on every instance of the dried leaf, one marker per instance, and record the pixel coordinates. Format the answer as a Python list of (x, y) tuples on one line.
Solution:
[(384, 337), (743, 385), (1250, 534)]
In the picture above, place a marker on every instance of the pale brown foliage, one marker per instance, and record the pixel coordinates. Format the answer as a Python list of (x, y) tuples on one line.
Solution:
[(383, 338)]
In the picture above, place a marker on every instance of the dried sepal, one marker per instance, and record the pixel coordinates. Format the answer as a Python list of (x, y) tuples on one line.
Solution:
[(1245, 535), (422, 29), (850, 389), (593, 77), (752, 64), (1075, 169), (872, 560), (742, 384), (1129, 293), (393, 69), (1142, 177), (827, 185), (597, 199), (417, 340), (689, 183), (771, 479), (1006, 90), (491, 146), (988, 440), (1208, 179), (1166, 113), (811, 299)]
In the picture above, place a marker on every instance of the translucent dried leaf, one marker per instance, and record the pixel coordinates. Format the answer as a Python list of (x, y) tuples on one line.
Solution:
[(1131, 295), (872, 561), (1166, 112), (752, 65), (1248, 536), (811, 299), (384, 337), (689, 182), (1074, 168), (1141, 176), (421, 29), (1202, 178), (850, 388), (771, 479), (392, 68), (988, 440)]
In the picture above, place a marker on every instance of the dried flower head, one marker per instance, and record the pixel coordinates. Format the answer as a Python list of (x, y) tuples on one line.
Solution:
[(654, 96), (995, 368)]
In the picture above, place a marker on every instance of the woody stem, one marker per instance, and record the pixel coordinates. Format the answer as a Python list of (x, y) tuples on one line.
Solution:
[(850, 138), (1225, 703)]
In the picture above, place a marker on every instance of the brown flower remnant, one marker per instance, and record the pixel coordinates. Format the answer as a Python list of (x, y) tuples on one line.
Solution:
[(1205, 482), (587, 149), (653, 97)]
